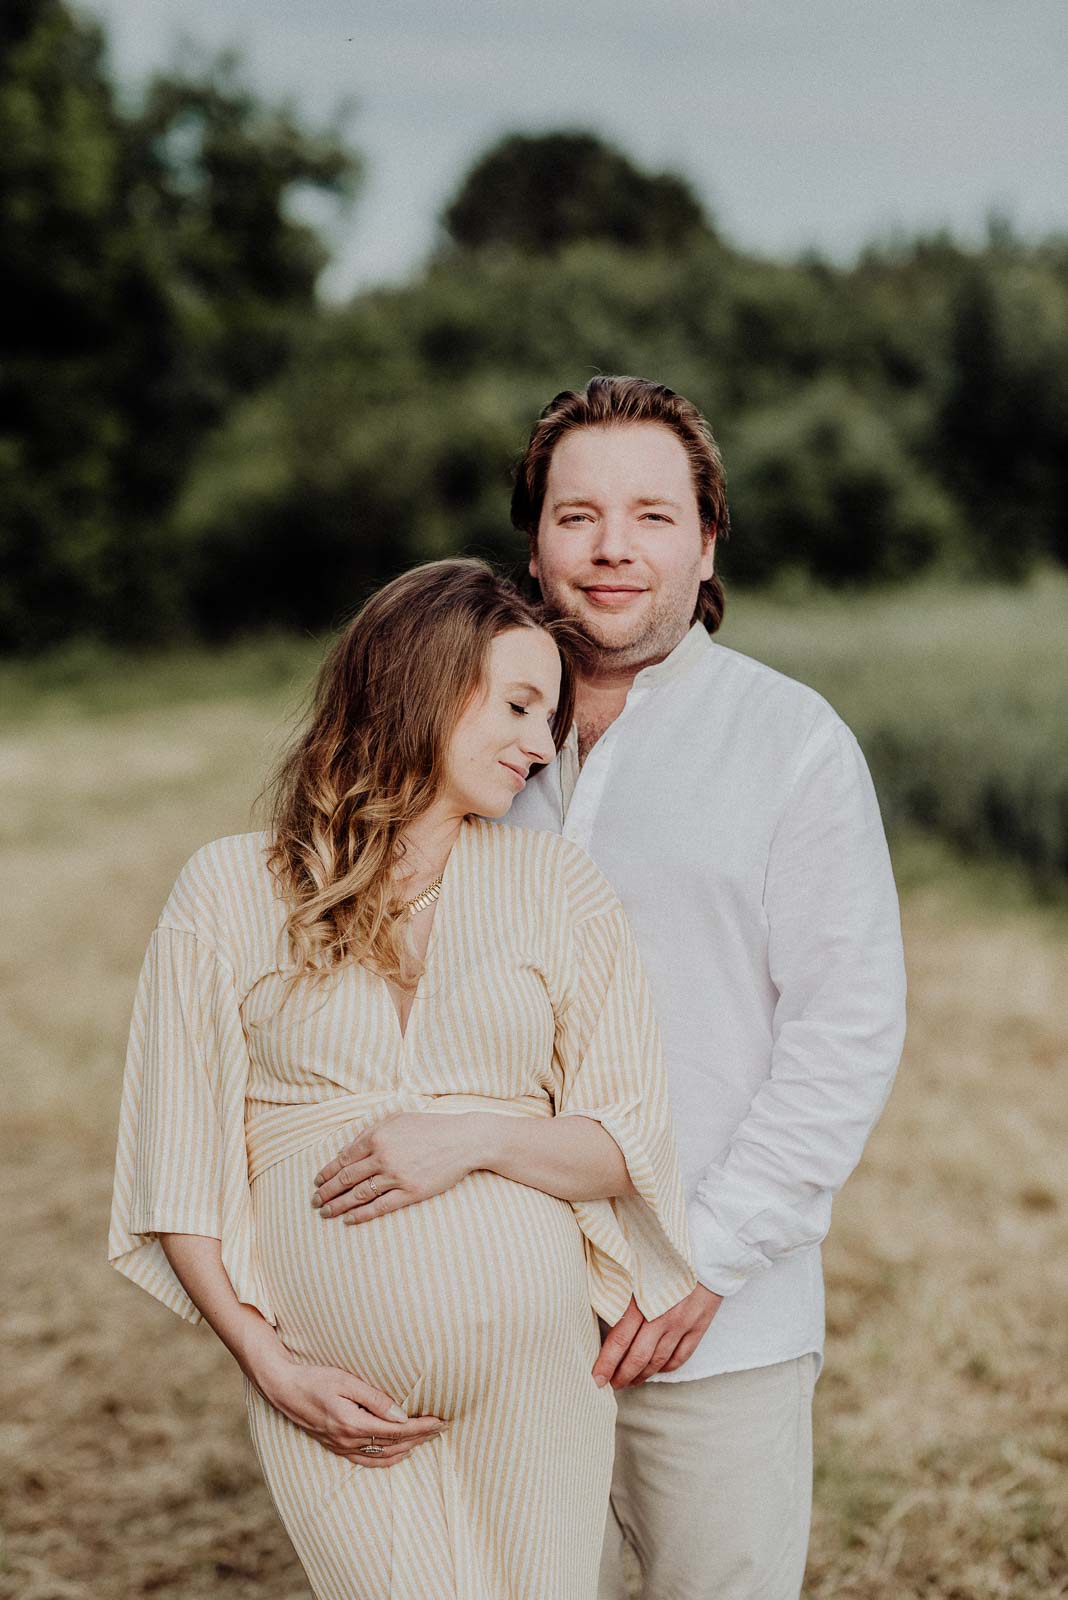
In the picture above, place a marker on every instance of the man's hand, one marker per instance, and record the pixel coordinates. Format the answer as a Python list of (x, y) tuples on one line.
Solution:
[(406, 1158), (634, 1349)]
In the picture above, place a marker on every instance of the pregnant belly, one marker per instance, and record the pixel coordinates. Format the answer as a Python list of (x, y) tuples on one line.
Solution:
[(434, 1302)]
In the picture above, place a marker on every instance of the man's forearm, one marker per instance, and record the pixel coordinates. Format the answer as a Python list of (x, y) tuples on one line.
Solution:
[(571, 1157)]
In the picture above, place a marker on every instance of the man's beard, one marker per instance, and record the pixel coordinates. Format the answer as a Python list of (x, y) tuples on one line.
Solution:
[(654, 638)]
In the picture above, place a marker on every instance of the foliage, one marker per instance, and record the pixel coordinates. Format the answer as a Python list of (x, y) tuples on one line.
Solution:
[(541, 191), (151, 275), (191, 445)]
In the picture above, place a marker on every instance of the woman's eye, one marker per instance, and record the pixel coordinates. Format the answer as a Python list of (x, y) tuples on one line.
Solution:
[(520, 710)]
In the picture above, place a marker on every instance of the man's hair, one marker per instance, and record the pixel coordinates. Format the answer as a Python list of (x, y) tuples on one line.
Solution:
[(611, 401)]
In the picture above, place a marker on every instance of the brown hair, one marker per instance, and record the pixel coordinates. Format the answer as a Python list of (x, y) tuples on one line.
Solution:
[(608, 401), (372, 758)]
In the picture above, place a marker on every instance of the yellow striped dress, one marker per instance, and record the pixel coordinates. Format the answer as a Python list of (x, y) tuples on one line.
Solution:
[(476, 1305)]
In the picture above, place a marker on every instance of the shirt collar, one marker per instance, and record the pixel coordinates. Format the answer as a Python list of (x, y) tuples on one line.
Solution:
[(690, 649), (686, 654)]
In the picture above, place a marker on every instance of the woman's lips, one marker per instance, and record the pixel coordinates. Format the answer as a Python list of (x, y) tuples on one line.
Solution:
[(611, 596), (517, 773)]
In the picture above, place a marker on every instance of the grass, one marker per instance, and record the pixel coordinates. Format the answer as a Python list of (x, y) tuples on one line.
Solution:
[(956, 695), (942, 1414)]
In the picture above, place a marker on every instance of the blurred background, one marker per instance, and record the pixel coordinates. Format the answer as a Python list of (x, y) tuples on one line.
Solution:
[(281, 292)]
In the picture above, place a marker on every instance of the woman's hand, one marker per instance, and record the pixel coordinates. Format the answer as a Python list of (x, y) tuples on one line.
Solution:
[(398, 1162), (344, 1414)]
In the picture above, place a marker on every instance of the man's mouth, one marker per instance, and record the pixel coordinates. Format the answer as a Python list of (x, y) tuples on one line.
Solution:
[(611, 595)]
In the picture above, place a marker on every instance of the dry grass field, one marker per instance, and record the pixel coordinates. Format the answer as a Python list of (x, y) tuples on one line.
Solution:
[(942, 1414)]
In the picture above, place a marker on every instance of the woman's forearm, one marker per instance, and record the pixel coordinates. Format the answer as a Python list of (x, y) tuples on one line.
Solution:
[(249, 1337), (571, 1157)]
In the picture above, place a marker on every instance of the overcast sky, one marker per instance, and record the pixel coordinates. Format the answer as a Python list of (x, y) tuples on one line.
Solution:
[(801, 123)]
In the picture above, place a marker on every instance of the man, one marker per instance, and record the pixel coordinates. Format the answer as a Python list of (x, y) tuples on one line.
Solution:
[(733, 813)]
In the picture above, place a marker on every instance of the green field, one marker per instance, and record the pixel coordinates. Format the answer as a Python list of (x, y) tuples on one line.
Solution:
[(942, 1414), (958, 696)]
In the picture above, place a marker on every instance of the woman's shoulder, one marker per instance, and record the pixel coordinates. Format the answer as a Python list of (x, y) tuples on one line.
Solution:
[(548, 858), (224, 885)]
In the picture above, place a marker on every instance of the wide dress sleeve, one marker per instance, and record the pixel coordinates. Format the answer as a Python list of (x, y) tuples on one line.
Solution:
[(610, 1067), (181, 1164)]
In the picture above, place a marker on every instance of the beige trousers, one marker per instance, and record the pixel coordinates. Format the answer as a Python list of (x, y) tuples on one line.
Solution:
[(712, 1486)]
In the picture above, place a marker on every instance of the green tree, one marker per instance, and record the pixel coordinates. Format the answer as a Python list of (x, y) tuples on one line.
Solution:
[(152, 273), (1002, 422), (537, 192)]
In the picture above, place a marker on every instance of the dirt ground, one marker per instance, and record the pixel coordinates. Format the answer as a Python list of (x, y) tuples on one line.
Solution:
[(941, 1416)]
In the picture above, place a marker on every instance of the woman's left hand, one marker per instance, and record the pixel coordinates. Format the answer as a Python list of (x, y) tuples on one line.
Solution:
[(398, 1162)]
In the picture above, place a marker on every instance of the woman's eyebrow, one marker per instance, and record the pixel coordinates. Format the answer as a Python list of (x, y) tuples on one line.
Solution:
[(529, 688)]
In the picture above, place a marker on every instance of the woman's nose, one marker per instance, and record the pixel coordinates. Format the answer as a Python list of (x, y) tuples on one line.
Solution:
[(538, 744)]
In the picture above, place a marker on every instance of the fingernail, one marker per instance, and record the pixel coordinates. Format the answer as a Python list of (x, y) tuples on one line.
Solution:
[(316, 1200), (397, 1414), (600, 1380)]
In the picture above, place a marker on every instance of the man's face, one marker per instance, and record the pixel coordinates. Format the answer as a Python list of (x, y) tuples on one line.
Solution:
[(620, 547)]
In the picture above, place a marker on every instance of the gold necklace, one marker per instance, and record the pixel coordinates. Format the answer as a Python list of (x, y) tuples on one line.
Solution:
[(421, 901)]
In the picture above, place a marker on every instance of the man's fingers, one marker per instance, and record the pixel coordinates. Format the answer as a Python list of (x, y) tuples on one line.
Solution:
[(617, 1342), (683, 1350), (638, 1356), (660, 1357)]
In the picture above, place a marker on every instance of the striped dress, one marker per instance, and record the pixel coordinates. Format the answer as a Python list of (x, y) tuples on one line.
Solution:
[(476, 1305)]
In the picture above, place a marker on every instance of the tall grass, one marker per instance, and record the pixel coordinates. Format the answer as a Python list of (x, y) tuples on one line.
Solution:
[(958, 696)]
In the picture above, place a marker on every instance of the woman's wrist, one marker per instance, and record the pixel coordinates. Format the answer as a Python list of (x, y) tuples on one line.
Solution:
[(487, 1132), (263, 1358)]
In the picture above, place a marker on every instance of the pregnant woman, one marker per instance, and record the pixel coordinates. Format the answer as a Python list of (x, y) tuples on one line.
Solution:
[(385, 963)]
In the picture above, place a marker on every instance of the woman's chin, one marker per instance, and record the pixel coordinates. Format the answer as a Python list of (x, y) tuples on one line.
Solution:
[(493, 807)]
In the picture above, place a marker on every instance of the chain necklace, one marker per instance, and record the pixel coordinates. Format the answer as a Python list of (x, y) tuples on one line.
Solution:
[(421, 901)]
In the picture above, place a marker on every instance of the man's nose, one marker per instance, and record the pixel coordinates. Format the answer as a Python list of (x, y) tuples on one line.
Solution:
[(612, 540)]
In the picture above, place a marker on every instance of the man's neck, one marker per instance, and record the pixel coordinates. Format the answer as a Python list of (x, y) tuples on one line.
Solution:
[(601, 695)]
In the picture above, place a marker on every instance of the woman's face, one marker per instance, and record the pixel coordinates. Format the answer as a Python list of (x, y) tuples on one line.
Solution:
[(507, 726)]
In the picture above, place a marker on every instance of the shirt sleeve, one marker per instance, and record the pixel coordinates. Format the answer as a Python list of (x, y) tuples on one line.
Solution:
[(835, 958), (181, 1165), (610, 1067)]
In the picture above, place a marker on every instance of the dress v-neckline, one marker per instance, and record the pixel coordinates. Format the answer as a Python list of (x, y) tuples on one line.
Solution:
[(403, 1029)]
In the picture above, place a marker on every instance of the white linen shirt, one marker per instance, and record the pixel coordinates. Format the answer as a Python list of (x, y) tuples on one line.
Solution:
[(732, 811)]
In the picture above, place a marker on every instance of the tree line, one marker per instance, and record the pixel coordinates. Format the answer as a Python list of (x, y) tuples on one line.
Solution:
[(192, 445)]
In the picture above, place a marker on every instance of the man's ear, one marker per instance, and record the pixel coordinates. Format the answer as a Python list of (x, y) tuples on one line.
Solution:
[(708, 559), (532, 565)]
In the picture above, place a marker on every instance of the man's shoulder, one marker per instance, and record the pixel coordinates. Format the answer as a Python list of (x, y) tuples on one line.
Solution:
[(769, 696)]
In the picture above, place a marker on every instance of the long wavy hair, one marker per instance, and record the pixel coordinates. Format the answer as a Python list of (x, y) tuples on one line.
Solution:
[(372, 758), (611, 401)]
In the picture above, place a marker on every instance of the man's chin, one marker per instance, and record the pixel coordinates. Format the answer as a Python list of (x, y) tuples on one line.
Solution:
[(612, 635)]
